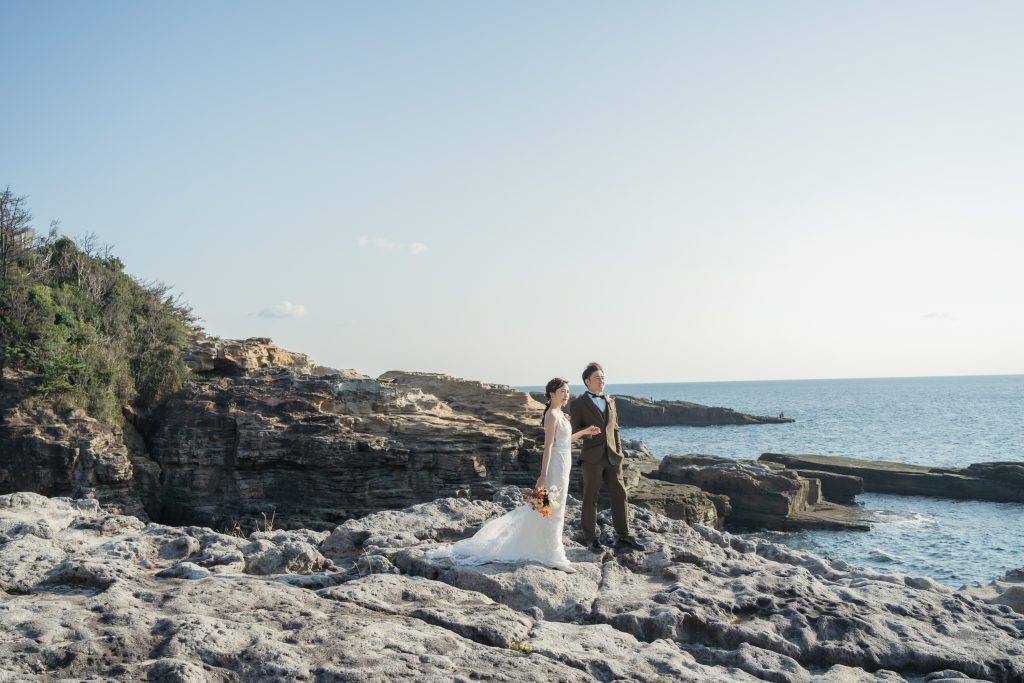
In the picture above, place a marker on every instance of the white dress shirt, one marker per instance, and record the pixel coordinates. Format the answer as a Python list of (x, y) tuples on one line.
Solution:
[(598, 401)]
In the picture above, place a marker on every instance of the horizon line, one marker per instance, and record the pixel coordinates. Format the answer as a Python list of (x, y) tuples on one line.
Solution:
[(793, 379)]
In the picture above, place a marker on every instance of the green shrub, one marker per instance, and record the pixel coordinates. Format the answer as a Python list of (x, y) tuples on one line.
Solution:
[(97, 338)]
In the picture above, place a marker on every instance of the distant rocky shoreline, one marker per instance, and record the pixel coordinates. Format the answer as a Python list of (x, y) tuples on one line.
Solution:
[(786, 491), (993, 481), (642, 412)]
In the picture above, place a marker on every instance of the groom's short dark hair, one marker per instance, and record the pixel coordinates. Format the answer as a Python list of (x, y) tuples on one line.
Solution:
[(591, 369)]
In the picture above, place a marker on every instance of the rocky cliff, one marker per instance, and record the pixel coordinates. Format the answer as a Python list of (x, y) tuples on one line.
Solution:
[(261, 431), (88, 595), (73, 455)]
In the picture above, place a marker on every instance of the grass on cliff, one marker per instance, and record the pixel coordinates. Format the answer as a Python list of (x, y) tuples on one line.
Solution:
[(95, 337)]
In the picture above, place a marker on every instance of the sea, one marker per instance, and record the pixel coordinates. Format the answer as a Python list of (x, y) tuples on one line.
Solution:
[(936, 421)]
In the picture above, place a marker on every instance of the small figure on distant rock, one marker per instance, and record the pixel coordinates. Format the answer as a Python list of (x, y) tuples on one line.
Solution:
[(781, 415)]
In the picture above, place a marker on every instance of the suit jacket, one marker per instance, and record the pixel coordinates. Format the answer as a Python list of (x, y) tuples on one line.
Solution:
[(583, 413)]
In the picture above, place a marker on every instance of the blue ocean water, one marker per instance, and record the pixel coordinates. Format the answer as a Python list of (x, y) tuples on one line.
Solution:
[(937, 421)]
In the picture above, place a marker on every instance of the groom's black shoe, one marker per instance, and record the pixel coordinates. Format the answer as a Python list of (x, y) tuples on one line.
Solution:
[(632, 543), (595, 546)]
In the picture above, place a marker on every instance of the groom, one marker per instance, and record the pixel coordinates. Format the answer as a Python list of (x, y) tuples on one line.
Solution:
[(601, 458)]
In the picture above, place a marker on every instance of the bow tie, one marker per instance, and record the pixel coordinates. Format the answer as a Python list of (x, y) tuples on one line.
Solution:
[(593, 395)]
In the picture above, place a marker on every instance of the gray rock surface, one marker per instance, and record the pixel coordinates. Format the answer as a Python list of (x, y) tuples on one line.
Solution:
[(88, 595), (1007, 590), (996, 481), (75, 455), (678, 501), (838, 488), (763, 494)]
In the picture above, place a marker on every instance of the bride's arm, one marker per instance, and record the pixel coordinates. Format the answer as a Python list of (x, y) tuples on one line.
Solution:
[(576, 420), (586, 431), (549, 443)]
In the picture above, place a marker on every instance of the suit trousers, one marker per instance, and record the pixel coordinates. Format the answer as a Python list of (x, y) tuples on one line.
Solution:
[(611, 475)]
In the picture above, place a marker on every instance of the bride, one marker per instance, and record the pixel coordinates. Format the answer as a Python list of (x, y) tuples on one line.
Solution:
[(524, 534)]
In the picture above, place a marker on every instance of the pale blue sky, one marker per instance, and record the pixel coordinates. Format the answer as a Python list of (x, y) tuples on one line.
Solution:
[(681, 190)]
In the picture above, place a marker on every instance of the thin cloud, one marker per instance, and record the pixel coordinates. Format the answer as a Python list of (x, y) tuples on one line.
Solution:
[(414, 248), (939, 316), (285, 309)]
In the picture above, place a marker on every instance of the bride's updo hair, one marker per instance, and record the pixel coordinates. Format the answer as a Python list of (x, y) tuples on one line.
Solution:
[(553, 386)]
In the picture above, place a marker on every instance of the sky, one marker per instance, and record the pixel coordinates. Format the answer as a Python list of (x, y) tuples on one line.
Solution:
[(683, 191)]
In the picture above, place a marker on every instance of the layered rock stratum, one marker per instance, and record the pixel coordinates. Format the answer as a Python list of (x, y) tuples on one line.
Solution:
[(995, 481), (765, 494), (91, 595)]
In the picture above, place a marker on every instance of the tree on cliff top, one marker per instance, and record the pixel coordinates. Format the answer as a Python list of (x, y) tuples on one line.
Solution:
[(14, 230), (93, 336)]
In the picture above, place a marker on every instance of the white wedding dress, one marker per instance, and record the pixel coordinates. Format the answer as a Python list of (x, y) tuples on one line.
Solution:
[(524, 535)]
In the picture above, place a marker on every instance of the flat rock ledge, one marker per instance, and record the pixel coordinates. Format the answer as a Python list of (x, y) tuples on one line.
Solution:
[(766, 495), (89, 595), (642, 412), (994, 481)]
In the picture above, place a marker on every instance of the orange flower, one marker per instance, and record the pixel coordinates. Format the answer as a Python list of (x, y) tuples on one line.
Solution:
[(539, 500)]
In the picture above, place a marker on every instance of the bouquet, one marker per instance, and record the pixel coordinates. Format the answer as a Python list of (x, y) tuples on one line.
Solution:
[(541, 500)]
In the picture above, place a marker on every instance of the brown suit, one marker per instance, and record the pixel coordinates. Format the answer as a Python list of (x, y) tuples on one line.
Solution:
[(601, 460)]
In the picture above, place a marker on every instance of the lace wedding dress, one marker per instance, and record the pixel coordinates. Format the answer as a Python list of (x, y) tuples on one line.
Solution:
[(524, 535)]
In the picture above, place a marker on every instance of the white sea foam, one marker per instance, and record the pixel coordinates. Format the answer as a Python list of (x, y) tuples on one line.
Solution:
[(879, 555), (906, 519)]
